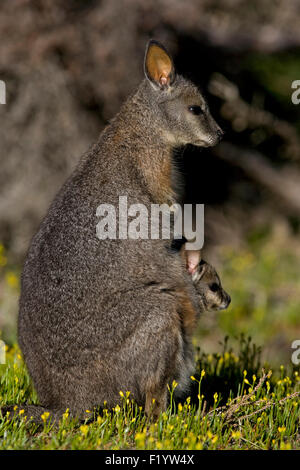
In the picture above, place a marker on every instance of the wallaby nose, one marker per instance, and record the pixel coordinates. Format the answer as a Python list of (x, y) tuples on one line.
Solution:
[(220, 134)]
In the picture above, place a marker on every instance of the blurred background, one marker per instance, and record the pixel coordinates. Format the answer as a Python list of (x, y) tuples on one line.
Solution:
[(69, 65)]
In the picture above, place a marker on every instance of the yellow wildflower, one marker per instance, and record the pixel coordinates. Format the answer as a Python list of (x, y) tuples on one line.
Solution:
[(12, 280), (285, 446), (84, 429), (45, 416)]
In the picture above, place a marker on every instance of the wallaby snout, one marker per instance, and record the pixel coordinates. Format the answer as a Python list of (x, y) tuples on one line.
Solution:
[(220, 134), (210, 136)]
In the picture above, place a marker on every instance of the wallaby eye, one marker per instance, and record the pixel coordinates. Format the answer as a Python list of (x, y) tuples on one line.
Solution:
[(214, 287), (195, 110)]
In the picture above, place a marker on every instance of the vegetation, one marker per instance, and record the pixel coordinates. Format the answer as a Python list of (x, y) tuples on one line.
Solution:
[(252, 411)]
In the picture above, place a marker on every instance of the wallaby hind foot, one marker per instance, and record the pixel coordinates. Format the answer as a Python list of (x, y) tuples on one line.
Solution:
[(156, 401)]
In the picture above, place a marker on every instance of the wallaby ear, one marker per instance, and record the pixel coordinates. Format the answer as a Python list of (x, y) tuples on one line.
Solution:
[(158, 65)]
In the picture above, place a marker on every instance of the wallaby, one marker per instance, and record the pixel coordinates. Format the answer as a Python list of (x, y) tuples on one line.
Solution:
[(100, 316)]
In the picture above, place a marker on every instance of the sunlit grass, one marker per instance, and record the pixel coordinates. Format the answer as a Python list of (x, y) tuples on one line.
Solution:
[(253, 411)]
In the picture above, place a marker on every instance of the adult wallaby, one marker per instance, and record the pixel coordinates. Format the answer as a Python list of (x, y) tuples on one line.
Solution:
[(100, 316)]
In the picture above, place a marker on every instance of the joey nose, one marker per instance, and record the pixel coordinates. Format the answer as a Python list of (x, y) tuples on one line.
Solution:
[(226, 301)]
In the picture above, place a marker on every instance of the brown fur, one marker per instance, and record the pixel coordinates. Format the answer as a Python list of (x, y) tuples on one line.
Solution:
[(188, 311)]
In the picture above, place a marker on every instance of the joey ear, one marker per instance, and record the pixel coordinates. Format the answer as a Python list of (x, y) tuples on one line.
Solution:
[(199, 272), (158, 65), (193, 258)]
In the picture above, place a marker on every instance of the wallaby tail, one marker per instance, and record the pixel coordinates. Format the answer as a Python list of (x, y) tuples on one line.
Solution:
[(34, 413)]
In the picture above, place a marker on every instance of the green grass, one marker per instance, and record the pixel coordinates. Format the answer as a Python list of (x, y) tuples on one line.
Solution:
[(232, 405)]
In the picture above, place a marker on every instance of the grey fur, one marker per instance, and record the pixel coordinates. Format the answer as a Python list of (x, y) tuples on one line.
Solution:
[(210, 293), (97, 317)]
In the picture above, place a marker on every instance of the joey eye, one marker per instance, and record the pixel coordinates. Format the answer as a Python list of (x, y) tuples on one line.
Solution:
[(196, 110), (214, 287)]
